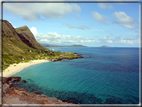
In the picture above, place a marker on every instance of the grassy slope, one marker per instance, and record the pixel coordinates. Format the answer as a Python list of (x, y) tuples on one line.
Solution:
[(14, 49), (20, 43)]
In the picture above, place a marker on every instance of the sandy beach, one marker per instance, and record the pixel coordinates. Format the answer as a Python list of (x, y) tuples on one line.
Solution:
[(14, 68)]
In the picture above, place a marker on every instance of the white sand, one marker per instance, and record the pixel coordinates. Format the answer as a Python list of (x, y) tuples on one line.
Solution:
[(14, 68)]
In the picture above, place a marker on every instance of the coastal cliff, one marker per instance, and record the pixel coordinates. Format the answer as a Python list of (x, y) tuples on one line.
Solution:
[(15, 95)]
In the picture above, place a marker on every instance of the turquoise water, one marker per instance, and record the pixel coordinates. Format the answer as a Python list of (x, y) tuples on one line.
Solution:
[(105, 75)]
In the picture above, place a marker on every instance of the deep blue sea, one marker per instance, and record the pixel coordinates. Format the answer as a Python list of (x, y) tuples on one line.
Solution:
[(105, 76)]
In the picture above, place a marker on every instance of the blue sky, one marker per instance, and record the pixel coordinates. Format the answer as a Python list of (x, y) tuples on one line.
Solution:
[(90, 24)]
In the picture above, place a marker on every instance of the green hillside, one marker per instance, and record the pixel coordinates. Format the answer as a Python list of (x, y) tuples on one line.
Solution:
[(20, 45), (27, 37)]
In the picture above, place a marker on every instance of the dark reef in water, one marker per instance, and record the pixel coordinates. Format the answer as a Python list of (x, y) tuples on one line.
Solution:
[(37, 95), (15, 95)]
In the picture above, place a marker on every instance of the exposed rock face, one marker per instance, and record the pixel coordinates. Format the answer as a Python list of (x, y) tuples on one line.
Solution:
[(9, 79), (15, 95), (5, 88), (27, 37), (21, 34), (15, 40)]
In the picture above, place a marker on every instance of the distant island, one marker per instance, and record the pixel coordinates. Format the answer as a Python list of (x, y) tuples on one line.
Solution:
[(105, 46), (46, 45)]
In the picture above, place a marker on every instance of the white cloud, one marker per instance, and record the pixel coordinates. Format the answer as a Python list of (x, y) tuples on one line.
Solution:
[(124, 20), (34, 11), (55, 38), (70, 26), (109, 41), (118, 40), (99, 18), (121, 18), (105, 6), (33, 30), (81, 27)]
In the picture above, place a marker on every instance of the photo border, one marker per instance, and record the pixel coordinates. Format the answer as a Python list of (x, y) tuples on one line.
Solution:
[(85, 1)]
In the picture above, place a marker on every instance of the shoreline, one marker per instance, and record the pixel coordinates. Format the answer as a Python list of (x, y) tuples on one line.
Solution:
[(15, 68), (15, 95)]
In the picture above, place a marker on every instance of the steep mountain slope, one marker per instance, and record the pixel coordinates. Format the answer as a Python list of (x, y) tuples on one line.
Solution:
[(18, 44), (11, 41), (27, 37), (15, 40)]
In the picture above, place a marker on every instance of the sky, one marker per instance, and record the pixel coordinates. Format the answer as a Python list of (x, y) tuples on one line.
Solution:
[(89, 24)]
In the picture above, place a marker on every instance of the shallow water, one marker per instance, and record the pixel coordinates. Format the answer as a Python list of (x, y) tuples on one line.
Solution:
[(106, 75)]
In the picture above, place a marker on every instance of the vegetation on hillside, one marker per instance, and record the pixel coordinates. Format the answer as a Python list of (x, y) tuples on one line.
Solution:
[(34, 54), (19, 45)]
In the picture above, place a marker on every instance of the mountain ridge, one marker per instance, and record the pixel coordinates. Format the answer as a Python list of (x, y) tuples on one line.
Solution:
[(20, 45), (17, 44), (27, 37)]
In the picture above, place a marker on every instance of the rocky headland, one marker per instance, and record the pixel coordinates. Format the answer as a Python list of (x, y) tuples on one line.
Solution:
[(65, 58), (15, 95)]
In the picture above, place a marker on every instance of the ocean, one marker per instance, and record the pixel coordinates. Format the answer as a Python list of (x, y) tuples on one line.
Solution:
[(105, 76)]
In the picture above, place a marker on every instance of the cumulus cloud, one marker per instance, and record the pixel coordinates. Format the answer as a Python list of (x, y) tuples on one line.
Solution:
[(34, 11), (81, 27), (99, 18), (55, 38), (124, 20), (119, 40), (105, 6), (33, 30)]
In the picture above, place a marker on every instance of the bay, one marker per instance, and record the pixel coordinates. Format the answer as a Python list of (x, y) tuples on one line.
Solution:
[(105, 76)]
